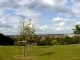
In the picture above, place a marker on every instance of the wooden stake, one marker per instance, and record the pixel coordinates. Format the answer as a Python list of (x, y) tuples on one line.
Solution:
[(19, 50)]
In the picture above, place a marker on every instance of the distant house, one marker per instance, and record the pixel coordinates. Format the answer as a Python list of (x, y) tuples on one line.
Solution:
[(71, 35), (50, 35)]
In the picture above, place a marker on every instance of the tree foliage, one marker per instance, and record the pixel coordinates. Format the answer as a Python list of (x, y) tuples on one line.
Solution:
[(47, 41), (77, 29), (54, 42), (6, 40), (26, 28)]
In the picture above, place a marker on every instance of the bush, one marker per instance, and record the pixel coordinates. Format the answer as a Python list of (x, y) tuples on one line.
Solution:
[(6, 40), (54, 42), (75, 39)]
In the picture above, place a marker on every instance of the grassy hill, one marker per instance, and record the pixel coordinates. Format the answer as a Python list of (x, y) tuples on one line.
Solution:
[(58, 52)]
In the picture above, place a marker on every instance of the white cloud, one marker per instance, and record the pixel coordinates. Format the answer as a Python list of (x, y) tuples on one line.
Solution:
[(4, 23), (27, 12), (59, 28), (58, 19), (51, 5), (63, 30), (38, 5), (61, 23), (76, 8), (49, 2), (44, 27), (78, 23), (10, 9), (23, 2)]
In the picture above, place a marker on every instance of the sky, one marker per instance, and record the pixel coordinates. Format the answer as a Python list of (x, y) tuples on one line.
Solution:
[(48, 16)]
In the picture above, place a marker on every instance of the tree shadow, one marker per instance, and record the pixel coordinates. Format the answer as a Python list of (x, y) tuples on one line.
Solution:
[(49, 53)]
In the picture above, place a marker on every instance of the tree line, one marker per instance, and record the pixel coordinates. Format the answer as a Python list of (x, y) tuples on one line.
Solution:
[(37, 40), (58, 40), (6, 40)]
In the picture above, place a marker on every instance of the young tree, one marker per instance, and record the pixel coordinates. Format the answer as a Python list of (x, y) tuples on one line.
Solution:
[(26, 29)]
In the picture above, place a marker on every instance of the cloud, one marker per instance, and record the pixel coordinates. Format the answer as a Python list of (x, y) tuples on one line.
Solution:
[(77, 10), (54, 30), (26, 12), (63, 30), (44, 27), (61, 23), (75, 7), (17, 7), (8, 24), (67, 13), (48, 5), (4, 23), (37, 5), (8, 4), (75, 1), (78, 23), (58, 19), (59, 6), (59, 28)]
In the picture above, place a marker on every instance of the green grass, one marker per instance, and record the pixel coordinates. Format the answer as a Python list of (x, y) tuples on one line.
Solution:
[(57, 52)]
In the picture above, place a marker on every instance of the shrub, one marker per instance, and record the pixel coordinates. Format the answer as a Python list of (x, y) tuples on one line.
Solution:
[(54, 42)]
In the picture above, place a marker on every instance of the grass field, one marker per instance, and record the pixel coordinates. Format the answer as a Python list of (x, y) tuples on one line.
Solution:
[(58, 52)]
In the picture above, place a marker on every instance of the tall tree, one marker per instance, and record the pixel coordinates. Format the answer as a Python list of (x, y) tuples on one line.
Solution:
[(77, 29)]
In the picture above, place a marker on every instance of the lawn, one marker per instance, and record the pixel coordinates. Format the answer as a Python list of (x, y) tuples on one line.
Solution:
[(57, 52)]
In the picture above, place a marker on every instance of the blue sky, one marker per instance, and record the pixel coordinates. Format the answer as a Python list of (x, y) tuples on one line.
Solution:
[(48, 16)]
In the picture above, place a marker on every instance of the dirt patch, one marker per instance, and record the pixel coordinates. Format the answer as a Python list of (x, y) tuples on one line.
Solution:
[(78, 46), (25, 57)]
